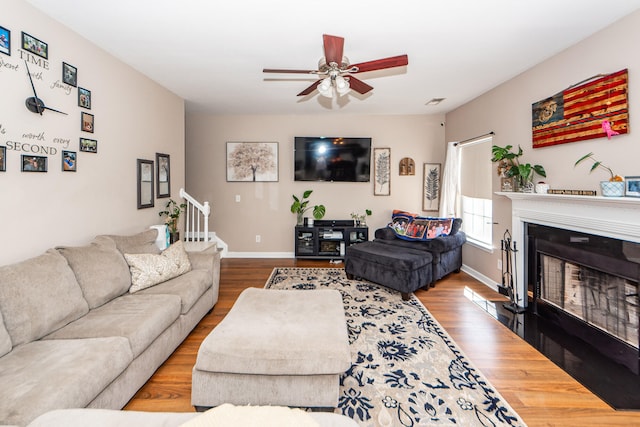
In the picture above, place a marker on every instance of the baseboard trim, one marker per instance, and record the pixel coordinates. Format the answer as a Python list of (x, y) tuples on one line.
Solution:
[(259, 255), (485, 280)]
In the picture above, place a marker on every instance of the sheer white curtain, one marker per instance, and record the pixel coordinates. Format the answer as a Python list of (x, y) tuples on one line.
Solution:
[(450, 182)]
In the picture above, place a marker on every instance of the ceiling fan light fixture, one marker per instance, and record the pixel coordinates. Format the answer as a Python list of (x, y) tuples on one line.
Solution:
[(325, 88), (342, 85)]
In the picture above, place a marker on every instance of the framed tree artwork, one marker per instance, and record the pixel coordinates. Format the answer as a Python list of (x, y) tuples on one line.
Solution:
[(432, 184), (382, 171), (163, 175), (252, 161)]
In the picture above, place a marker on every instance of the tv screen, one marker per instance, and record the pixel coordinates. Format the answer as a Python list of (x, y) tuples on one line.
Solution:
[(332, 159)]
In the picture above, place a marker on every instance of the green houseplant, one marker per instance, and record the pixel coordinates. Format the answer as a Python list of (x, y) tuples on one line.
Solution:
[(614, 187), (301, 205), (522, 172), (172, 211), (360, 219)]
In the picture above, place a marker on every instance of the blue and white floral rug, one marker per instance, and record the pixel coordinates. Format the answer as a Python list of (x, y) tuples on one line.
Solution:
[(406, 369)]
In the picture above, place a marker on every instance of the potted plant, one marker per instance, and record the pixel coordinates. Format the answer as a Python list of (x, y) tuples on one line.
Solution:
[(360, 219), (301, 205), (522, 172), (614, 187), (172, 211)]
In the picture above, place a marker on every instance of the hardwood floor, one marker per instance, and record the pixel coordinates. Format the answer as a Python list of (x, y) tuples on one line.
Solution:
[(539, 391)]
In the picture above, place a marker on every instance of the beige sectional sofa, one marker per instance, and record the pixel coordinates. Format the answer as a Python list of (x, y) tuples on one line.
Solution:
[(72, 335)]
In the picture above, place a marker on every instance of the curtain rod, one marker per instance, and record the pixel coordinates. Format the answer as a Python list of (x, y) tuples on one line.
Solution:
[(475, 138)]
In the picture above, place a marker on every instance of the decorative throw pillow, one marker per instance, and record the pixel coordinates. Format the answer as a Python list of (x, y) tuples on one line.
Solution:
[(410, 226), (149, 269)]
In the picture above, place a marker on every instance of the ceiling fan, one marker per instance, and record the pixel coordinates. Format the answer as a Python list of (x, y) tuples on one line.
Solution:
[(335, 70)]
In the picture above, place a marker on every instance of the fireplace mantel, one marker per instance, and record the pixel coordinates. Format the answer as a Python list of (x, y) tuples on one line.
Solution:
[(615, 217)]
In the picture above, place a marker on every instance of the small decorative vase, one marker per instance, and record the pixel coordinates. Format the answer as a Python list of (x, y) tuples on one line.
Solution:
[(174, 237), (300, 218), (527, 187), (612, 188)]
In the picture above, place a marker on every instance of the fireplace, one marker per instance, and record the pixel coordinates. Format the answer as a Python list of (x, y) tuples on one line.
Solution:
[(588, 286), (577, 269)]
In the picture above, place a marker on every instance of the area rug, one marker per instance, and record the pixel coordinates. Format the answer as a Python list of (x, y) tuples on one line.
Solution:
[(406, 370)]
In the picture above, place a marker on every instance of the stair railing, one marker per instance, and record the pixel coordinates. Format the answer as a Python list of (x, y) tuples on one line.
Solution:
[(196, 219)]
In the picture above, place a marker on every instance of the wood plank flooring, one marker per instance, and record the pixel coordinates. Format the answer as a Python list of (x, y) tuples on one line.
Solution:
[(542, 393)]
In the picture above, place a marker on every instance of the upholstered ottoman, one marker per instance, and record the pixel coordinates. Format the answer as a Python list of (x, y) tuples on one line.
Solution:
[(402, 269), (275, 347)]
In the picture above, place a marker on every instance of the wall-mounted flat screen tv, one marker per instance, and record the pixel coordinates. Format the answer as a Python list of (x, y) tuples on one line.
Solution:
[(346, 159)]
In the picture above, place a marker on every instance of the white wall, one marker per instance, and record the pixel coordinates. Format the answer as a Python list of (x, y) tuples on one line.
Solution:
[(506, 110), (134, 118), (264, 207)]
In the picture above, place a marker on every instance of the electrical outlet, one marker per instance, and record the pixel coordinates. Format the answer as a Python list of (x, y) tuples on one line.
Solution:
[(500, 264), (258, 238), (237, 198)]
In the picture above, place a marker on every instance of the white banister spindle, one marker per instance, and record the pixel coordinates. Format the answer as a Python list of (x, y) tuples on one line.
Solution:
[(195, 215)]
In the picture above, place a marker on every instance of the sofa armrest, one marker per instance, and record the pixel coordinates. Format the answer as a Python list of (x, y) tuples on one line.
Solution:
[(438, 245), (385, 233), (210, 261)]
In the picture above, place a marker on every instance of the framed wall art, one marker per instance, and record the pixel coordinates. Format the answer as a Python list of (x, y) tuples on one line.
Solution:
[(145, 183), (431, 180), (596, 109), (5, 41), (88, 145), (163, 175), (35, 46), (382, 171), (84, 98), (69, 161), (3, 158), (34, 163), (86, 122), (252, 161), (69, 74), (632, 186)]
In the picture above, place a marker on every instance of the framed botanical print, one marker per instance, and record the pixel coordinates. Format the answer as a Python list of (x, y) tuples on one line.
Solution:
[(431, 176), (163, 175), (382, 171)]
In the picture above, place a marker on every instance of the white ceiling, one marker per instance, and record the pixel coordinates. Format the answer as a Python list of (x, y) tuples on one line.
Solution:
[(212, 52)]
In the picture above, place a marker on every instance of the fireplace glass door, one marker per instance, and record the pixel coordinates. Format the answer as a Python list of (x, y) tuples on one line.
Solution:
[(605, 301)]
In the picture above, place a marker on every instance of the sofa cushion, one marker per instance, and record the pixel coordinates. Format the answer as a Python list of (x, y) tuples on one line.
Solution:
[(149, 269), (434, 246), (141, 243), (38, 296), (44, 375), (5, 339), (140, 319), (100, 269), (189, 287)]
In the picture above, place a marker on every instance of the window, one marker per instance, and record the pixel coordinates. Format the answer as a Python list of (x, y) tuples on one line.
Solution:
[(475, 192)]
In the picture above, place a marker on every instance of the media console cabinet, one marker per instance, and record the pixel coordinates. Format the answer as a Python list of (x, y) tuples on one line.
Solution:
[(328, 239)]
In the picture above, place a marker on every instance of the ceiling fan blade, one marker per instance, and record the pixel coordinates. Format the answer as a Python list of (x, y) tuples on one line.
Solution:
[(359, 86), (381, 64), (333, 48), (274, 70), (311, 88)]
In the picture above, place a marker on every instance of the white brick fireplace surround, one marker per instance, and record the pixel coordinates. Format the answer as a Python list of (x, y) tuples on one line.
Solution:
[(615, 217)]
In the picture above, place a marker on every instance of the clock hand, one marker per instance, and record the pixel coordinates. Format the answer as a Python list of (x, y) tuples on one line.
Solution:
[(53, 109), (35, 95)]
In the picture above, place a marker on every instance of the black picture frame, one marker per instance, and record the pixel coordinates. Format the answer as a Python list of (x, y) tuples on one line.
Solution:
[(163, 175), (35, 46), (69, 74), (3, 158), (5, 41), (69, 161), (84, 98), (145, 183), (88, 145), (86, 122), (33, 163)]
